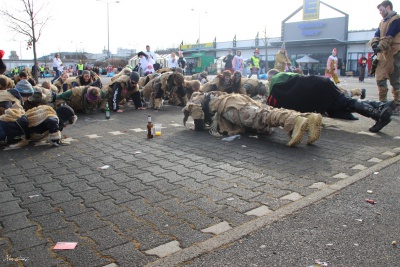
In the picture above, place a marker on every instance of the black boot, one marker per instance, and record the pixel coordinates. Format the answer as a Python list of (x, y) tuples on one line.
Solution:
[(198, 124), (384, 119)]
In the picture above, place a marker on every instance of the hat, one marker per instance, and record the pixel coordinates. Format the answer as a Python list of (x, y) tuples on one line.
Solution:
[(334, 50), (283, 46), (256, 51), (66, 114), (37, 97), (204, 74), (85, 72), (1, 54), (134, 76), (24, 88)]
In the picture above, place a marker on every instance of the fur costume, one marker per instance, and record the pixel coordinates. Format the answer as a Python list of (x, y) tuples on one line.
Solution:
[(254, 87), (77, 100), (236, 113), (218, 83), (5, 82), (124, 71)]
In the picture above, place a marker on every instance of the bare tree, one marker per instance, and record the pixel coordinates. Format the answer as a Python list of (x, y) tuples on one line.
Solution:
[(27, 21), (265, 41)]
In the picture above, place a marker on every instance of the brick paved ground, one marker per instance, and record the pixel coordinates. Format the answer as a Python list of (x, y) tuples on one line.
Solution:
[(166, 194)]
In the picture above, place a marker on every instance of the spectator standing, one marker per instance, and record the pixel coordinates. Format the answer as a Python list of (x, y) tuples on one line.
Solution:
[(237, 62), (255, 64), (144, 61), (182, 62), (228, 61), (173, 61), (42, 71), (282, 60), (57, 66), (79, 66), (332, 66), (362, 62), (35, 71)]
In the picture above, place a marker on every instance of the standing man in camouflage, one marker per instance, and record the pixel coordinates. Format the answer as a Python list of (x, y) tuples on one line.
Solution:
[(386, 44)]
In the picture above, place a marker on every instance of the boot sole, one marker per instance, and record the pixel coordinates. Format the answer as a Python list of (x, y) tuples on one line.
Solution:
[(296, 139), (314, 128)]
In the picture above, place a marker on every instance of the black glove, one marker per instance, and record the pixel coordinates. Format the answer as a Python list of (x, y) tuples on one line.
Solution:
[(374, 45), (376, 49)]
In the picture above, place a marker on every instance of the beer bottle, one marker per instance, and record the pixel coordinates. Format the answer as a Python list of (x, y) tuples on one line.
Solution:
[(149, 127), (107, 110)]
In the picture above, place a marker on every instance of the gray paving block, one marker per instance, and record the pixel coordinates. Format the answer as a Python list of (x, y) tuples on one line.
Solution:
[(24, 238), (152, 195), (79, 186), (51, 187), (7, 196), (148, 177), (87, 221), (24, 187), (105, 238), (82, 256), (38, 255), (105, 207), (71, 208), (163, 185), (15, 221), (51, 221), (38, 208), (244, 193), (135, 185), (173, 176), (238, 204), (68, 178), (92, 195), (231, 216), (186, 235), (173, 206), (140, 207), (124, 221), (162, 220), (148, 238), (197, 219), (205, 205), (121, 195), (61, 197), (17, 179), (127, 255), (184, 195), (214, 193)]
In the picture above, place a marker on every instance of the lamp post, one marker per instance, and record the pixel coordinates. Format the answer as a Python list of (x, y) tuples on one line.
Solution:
[(108, 29), (205, 12)]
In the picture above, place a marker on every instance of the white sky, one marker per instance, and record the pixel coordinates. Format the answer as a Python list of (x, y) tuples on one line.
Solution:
[(82, 24)]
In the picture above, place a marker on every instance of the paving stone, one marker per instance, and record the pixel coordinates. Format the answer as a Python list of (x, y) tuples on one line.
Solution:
[(243, 193), (135, 186), (71, 208), (186, 235), (24, 238), (220, 183), (152, 195), (292, 196), (259, 211), (389, 153), (68, 178), (198, 220), (340, 175), (165, 250), (42, 179), (234, 218), (205, 205), (163, 185), (51, 221), (376, 160), (23, 188), (162, 220), (318, 185), (15, 221), (127, 255), (359, 167), (7, 196), (272, 202), (51, 187), (139, 207), (238, 204), (87, 221), (38, 208), (173, 177), (218, 228), (82, 255), (184, 195), (213, 193), (173, 206), (92, 195), (105, 207), (61, 196), (204, 169), (229, 168), (37, 256), (17, 179), (225, 175), (147, 238), (79, 186), (191, 184), (124, 221), (148, 177), (105, 238), (121, 195)]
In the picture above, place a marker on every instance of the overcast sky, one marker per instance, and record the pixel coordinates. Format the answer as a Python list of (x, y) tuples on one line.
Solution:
[(82, 24)]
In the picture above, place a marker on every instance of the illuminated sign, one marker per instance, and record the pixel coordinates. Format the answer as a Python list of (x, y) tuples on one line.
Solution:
[(196, 46), (310, 9)]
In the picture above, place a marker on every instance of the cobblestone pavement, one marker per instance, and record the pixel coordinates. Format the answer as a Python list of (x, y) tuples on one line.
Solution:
[(168, 194)]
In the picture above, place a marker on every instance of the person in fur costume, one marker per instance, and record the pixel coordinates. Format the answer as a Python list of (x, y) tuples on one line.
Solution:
[(236, 113), (124, 87), (41, 96), (146, 79), (319, 94), (64, 82), (5, 82), (183, 93), (220, 83), (49, 86), (161, 86), (386, 44), (83, 99), (124, 71), (201, 77), (254, 87), (88, 78), (8, 98), (18, 127)]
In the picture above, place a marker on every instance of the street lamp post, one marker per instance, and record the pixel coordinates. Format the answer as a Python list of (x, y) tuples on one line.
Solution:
[(108, 29), (205, 12)]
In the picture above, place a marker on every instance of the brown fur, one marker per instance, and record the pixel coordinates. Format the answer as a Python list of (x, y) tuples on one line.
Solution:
[(6, 83)]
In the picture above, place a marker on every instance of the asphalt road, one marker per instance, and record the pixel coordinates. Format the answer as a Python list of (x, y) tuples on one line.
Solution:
[(181, 197)]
